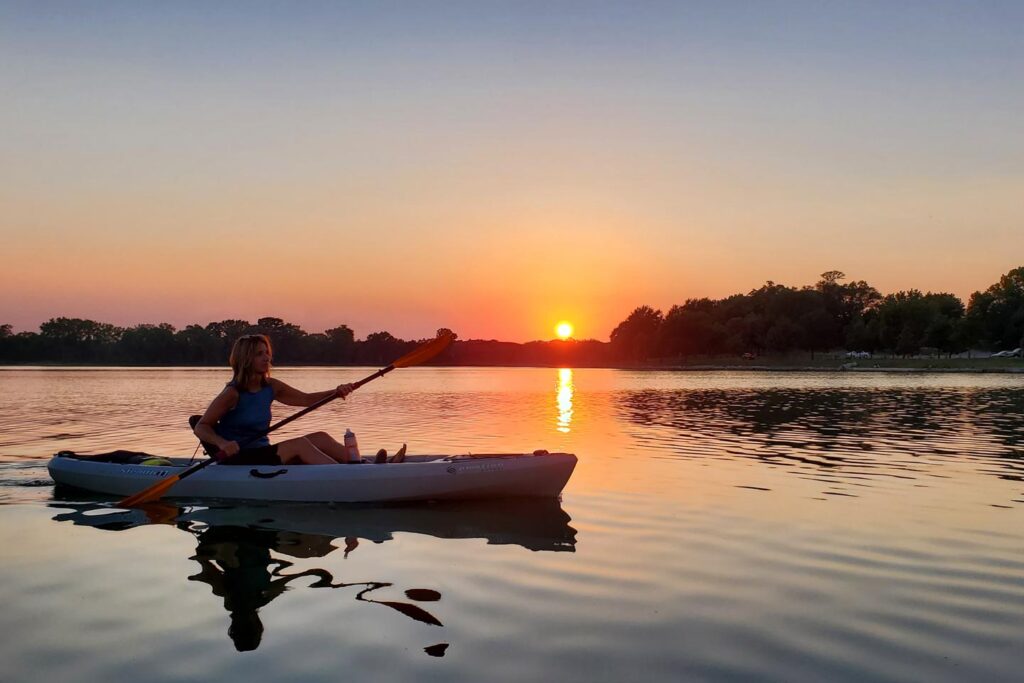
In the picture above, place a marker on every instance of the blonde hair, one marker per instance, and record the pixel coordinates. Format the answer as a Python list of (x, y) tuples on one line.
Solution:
[(243, 353)]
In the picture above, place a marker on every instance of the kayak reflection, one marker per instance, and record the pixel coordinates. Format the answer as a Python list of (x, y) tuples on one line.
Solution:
[(537, 524), (242, 550)]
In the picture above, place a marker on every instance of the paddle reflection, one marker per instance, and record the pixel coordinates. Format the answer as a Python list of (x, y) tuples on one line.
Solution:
[(243, 551)]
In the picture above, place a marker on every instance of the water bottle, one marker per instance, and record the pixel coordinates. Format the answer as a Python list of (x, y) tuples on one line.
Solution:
[(351, 446)]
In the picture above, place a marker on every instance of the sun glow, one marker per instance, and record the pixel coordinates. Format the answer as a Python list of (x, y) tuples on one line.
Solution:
[(563, 330)]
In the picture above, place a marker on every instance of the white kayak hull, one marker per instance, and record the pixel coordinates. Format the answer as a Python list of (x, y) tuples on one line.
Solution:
[(418, 478)]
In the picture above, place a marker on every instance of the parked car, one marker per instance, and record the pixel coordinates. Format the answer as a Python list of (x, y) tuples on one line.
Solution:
[(1007, 354)]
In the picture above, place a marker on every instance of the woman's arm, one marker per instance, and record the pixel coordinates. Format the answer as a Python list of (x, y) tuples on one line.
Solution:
[(224, 402), (291, 396)]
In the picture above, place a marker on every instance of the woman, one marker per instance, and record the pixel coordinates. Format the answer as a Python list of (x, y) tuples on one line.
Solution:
[(242, 411)]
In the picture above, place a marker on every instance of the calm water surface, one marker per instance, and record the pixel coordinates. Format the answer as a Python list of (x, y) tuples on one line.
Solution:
[(719, 526)]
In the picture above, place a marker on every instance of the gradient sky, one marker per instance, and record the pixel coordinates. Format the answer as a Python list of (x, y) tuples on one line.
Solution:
[(495, 167)]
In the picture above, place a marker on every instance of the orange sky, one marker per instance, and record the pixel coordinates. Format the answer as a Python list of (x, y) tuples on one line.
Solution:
[(496, 170)]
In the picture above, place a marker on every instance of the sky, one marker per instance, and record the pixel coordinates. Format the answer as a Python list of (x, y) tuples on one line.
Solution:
[(496, 167)]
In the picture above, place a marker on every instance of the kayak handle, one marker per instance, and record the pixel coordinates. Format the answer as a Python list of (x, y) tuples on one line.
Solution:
[(266, 475)]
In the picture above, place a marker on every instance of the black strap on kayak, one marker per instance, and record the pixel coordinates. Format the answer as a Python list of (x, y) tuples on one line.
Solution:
[(266, 475)]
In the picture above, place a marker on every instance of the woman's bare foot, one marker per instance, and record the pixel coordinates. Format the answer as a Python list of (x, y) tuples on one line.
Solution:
[(399, 456)]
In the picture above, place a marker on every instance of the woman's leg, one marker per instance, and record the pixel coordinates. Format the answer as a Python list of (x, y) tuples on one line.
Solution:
[(302, 451), (326, 443)]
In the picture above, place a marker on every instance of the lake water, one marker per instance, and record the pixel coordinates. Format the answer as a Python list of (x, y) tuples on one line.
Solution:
[(718, 526)]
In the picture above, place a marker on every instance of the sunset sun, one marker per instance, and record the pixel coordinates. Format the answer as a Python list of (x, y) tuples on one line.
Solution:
[(563, 330)]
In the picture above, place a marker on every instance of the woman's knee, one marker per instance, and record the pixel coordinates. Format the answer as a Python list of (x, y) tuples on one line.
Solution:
[(284, 451), (295, 447), (305, 451), (298, 442)]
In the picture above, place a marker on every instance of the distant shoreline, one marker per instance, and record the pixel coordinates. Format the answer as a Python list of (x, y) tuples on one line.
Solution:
[(975, 367)]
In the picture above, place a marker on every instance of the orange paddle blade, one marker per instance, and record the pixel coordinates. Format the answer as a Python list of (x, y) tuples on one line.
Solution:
[(425, 352), (154, 492)]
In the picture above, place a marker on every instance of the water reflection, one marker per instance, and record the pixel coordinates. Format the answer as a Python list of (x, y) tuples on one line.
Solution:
[(563, 399), (839, 435), (238, 565), (242, 551)]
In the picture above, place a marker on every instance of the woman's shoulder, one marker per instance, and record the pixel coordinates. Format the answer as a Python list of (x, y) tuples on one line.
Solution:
[(227, 398), (234, 388)]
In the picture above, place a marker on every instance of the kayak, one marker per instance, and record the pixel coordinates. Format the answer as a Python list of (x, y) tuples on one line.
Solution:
[(420, 477)]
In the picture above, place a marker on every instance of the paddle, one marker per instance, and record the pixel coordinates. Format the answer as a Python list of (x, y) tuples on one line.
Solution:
[(415, 357)]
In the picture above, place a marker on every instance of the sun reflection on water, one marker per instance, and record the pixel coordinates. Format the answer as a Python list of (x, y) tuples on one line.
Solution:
[(564, 399)]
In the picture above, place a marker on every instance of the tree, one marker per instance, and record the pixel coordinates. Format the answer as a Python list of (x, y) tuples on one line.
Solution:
[(861, 335), (636, 337), (844, 302), (200, 345), (946, 312), (78, 340), (784, 335), (909, 320), (341, 344), (690, 329), (285, 338), (996, 315), (227, 331), (735, 336), (380, 348), (908, 343), (445, 330), (148, 344), (449, 355), (315, 348), (6, 345), (821, 330), (22, 347)]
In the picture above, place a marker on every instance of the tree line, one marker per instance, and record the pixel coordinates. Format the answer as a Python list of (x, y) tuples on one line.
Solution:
[(76, 340), (88, 342), (829, 315)]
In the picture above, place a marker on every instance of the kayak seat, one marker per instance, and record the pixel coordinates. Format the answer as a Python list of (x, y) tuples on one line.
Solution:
[(208, 447)]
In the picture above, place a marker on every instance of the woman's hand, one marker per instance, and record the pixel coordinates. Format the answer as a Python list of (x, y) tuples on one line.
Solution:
[(344, 390), (230, 448)]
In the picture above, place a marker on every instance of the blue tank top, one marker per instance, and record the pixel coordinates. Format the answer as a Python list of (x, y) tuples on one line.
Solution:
[(248, 418)]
